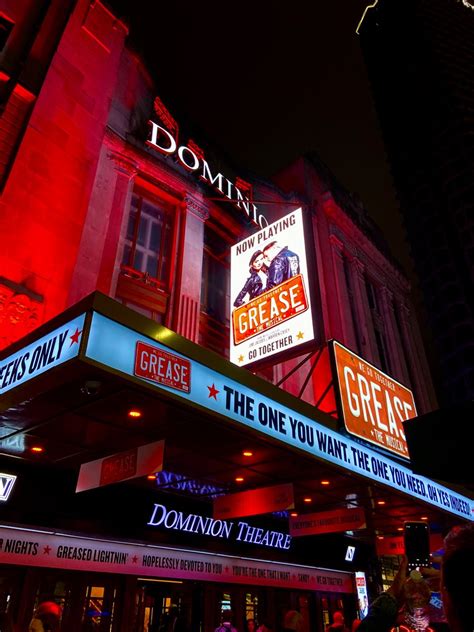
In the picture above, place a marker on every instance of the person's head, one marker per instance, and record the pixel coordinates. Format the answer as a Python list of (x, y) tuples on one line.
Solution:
[(265, 627), (270, 251), (49, 612), (257, 261), (338, 618), (250, 625), (456, 568)]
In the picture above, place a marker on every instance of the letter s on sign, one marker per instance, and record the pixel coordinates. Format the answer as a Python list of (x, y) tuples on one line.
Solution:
[(352, 399)]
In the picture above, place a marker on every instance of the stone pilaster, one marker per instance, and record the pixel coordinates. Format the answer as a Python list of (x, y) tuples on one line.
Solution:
[(393, 340), (346, 325), (188, 291), (364, 316)]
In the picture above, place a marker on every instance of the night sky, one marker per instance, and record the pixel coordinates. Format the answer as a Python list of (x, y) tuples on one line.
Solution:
[(266, 82)]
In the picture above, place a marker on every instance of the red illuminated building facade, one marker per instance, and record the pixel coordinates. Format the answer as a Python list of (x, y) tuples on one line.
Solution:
[(90, 203), (86, 205)]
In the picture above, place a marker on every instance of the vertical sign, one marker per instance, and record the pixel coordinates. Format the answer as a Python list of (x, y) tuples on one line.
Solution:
[(373, 405), (271, 309), (362, 597)]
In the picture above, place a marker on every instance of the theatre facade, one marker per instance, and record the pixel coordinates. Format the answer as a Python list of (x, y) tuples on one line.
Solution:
[(167, 438)]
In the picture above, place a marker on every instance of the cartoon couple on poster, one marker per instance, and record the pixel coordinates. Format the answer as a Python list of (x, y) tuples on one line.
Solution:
[(268, 267)]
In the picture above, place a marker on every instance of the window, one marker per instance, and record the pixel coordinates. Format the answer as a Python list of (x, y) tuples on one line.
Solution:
[(6, 27), (378, 325), (350, 295), (215, 277), (148, 241), (215, 288)]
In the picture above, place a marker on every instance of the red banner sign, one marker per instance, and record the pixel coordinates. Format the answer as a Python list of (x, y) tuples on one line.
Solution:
[(142, 461), (328, 522), (269, 309), (374, 405), (254, 502), (47, 550), (395, 545), (152, 363)]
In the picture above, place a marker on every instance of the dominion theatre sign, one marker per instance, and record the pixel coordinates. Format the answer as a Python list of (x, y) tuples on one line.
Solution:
[(205, 525), (163, 141)]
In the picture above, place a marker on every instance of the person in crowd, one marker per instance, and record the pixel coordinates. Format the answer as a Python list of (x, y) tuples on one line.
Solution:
[(355, 625), (282, 264), (175, 621), (265, 627), (456, 589), (226, 623), (338, 624), (250, 625), (292, 621), (257, 280), (46, 618)]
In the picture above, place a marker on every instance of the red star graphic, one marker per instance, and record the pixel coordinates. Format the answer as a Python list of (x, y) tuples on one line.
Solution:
[(75, 337), (46, 550), (241, 358), (213, 392), (134, 559)]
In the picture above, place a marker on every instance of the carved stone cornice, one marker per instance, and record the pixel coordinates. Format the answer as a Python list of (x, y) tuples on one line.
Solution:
[(337, 244), (123, 164), (196, 207)]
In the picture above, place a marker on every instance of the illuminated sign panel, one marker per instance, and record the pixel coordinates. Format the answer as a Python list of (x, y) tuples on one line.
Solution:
[(362, 596), (7, 481), (158, 365), (328, 522), (57, 347), (373, 405), (219, 394), (216, 528), (49, 550), (270, 300), (255, 501), (142, 461)]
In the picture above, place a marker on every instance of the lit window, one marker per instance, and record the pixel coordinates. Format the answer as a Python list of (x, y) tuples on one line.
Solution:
[(148, 241)]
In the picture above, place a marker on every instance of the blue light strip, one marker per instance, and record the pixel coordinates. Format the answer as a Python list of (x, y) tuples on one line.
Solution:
[(114, 346)]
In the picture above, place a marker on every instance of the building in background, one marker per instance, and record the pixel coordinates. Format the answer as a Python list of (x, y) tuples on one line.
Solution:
[(419, 58), (103, 190)]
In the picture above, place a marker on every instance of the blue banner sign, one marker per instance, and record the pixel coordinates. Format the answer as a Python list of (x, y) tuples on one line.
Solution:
[(55, 348), (116, 346)]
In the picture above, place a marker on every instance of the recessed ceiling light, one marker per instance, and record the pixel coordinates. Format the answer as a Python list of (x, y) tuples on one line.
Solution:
[(381, 502), (151, 477), (380, 537), (293, 514), (239, 479), (325, 483), (247, 453), (424, 517), (135, 414), (399, 528), (308, 499), (37, 448)]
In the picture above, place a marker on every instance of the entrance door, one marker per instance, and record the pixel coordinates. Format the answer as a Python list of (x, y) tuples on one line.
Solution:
[(162, 606)]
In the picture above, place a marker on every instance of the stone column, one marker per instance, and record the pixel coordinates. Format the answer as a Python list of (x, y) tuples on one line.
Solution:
[(101, 235), (188, 290), (125, 171), (394, 342), (364, 317), (346, 326)]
